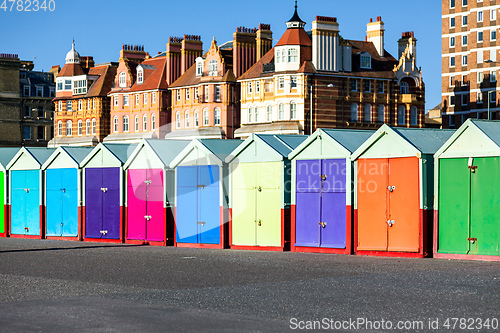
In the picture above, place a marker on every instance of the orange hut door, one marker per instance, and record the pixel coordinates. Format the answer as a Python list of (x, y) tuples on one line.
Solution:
[(403, 205)]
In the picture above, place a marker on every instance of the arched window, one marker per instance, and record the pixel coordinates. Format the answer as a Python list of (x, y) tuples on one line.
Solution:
[(196, 119), (401, 115), (205, 117), (354, 112), (256, 113), (293, 110), (87, 127), (381, 113), (136, 123), (217, 116), (178, 119), (212, 68), (404, 88), (250, 114), (69, 129), (59, 128), (123, 79), (368, 113), (186, 119), (269, 113), (413, 116), (80, 127), (125, 123), (281, 111), (144, 123), (94, 125), (115, 124), (153, 122)]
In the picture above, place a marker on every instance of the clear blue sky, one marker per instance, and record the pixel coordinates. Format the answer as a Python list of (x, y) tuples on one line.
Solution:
[(101, 27)]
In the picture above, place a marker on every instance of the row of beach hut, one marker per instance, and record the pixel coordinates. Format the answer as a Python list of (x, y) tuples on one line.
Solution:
[(392, 192)]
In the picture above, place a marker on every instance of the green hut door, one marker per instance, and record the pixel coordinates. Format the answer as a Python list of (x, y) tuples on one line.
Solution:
[(244, 209), (469, 206)]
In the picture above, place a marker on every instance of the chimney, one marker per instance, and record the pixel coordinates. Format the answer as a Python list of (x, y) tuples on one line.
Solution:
[(264, 40), (87, 63), (407, 40), (244, 50), (135, 52), (191, 48), (173, 56), (375, 34), (326, 52)]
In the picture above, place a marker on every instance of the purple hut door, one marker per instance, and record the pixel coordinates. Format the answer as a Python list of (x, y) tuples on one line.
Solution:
[(333, 203), (111, 218), (136, 204), (93, 202), (155, 220), (308, 203)]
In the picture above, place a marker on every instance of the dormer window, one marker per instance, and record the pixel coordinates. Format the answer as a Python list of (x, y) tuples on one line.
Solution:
[(199, 68), (366, 61), (212, 68), (140, 75), (122, 80)]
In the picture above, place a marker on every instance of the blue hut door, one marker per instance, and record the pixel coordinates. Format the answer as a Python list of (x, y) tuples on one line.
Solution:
[(208, 204), (198, 208), (62, 202), (321, 203)]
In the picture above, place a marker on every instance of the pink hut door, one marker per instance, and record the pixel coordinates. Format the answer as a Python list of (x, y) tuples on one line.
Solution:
[(155, 221), (136, 204)]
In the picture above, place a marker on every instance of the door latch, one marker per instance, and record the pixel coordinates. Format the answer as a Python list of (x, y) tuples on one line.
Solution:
[(26, 230), (147, 182), (147, 217), (202, 223), (201, 186), (104, 232), (27, 190), (391, 222), (259, 189), (259, 223), (62, 224), (63, 190), (391, 188), (322, 224), (104, 189), (472, 240), (323, 177)]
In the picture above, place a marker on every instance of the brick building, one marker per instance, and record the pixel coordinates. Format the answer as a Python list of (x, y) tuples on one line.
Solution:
[(351, 84), (206, 98), (82, 104), (26, 108), (470, 53)]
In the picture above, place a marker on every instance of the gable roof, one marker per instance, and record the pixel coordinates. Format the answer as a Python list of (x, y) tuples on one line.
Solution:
[(120, 151), (6, 155), (39, 154), (77, 154), (281, 144), (419, 140), (155, 75), (218, 148)]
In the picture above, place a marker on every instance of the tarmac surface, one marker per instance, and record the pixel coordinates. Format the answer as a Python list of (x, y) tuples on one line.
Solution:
[(58, 286)]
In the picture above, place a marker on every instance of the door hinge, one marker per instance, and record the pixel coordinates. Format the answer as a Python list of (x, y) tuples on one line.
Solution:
[(147, 217), (391, 222), (391, 188), (323, 224)]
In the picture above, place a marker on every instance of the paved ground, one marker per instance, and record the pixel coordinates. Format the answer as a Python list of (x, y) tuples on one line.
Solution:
[(55, 286)]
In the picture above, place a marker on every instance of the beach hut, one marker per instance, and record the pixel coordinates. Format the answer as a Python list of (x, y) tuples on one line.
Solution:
[(6, 155), (467, 193), (63, 193), (26, 192), (201, 207), (260, 176), (322, 178), (104, 192), (394, 191), (150, 192)]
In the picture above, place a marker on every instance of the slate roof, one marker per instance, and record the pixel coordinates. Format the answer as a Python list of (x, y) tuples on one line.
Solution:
[(6, 155), (78, 153), (221, 148), (427, 140), (167, 150), (491, 128), (121, 151), (349, 139), (41, 154)]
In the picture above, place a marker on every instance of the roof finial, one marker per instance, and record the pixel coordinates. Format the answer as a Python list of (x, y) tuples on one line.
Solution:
[(296, 5)]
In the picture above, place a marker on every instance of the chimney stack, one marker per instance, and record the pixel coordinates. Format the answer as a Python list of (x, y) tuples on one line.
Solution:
[(264, 40), (407, 40), (191, 48), (326, 52), (375, 34), (244, 49), (173, 56)]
